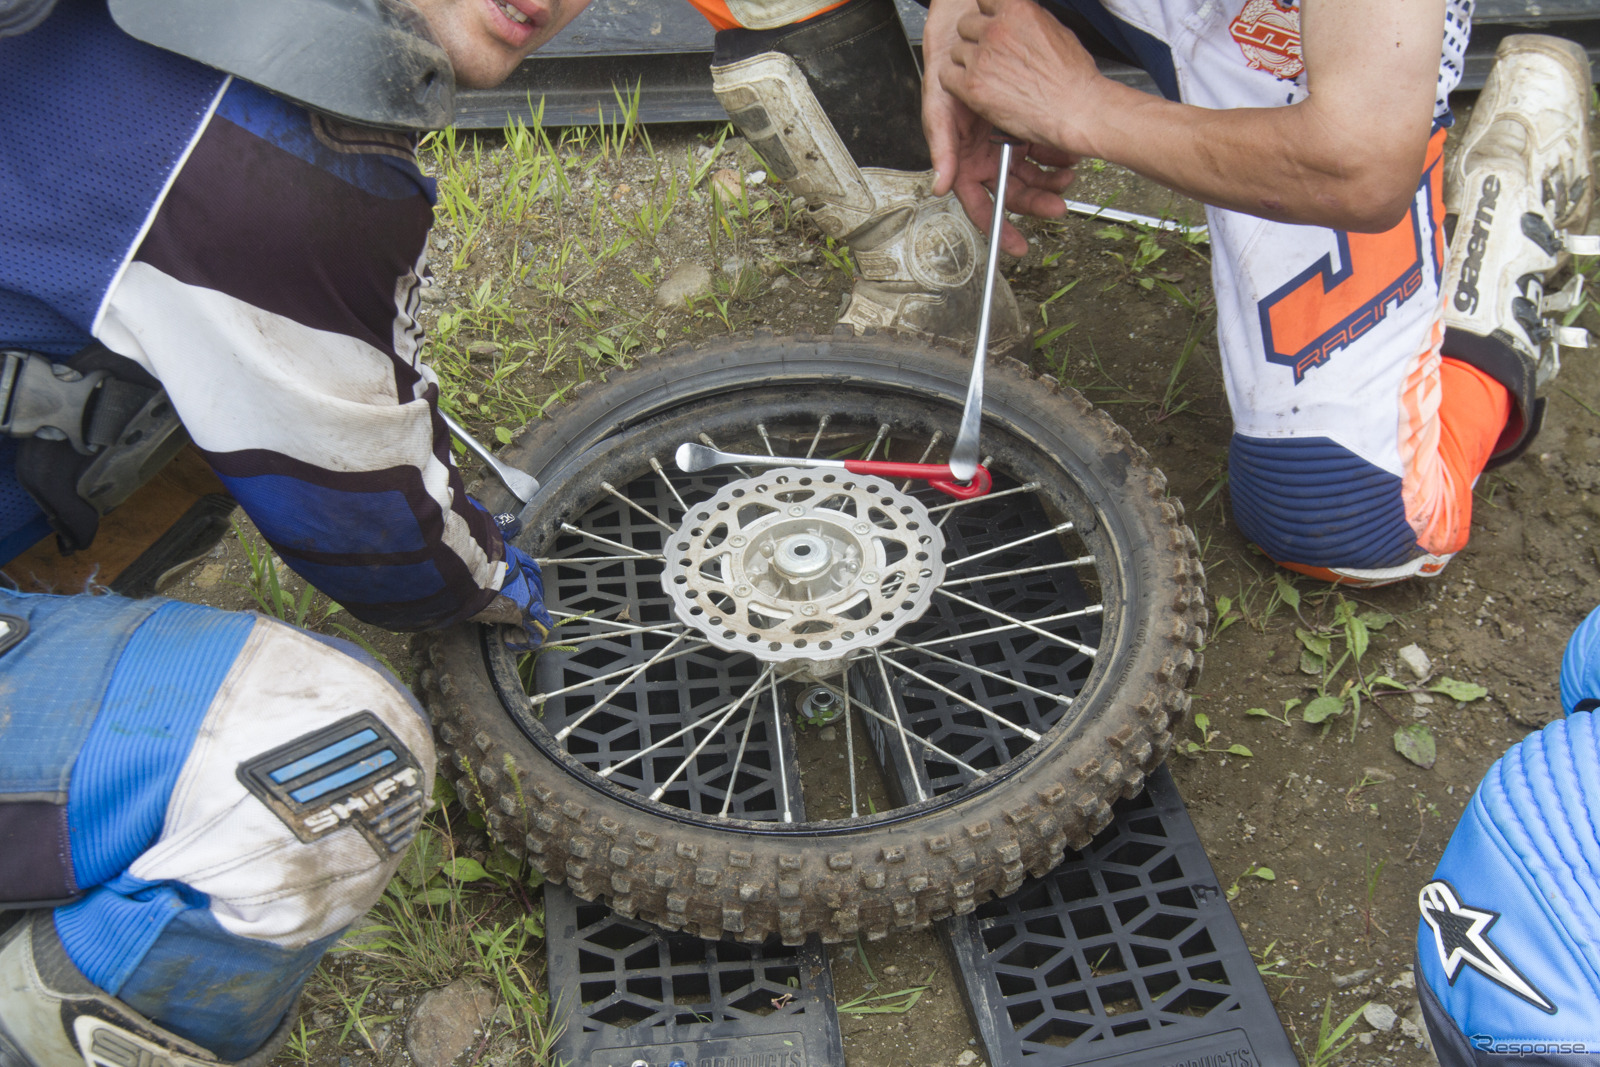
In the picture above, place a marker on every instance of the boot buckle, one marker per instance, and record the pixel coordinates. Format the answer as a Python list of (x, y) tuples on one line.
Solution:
[(1568, 297), (1580, 244)]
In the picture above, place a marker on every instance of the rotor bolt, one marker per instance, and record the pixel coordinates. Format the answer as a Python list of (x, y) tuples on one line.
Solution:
[(738, 541), (742, 590), (808, 609), (862, 528), (796, 510), (870, 577)]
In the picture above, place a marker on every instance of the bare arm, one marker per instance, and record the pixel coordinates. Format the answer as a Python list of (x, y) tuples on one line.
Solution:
[(1348, 156)]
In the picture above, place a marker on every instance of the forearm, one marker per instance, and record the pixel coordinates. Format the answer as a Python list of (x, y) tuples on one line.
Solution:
[(1290, 164)]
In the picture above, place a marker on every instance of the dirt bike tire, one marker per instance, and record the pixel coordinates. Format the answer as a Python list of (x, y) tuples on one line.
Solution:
[(860, 877)]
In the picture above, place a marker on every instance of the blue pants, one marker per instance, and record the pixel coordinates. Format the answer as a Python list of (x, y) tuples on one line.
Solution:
[(1508, 946), (206, 798)]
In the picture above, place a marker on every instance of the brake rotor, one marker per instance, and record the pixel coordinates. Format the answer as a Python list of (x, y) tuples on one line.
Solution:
[(801, 566)]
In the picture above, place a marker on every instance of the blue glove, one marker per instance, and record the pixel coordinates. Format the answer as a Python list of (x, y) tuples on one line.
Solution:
[(525, 587)]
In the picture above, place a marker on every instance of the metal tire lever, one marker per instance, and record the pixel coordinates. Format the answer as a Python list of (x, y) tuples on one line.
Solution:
[(522, 485), (964, 454)]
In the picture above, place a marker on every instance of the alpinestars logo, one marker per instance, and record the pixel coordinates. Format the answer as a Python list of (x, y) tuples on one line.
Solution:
[(1461, 934), (1268, 33)]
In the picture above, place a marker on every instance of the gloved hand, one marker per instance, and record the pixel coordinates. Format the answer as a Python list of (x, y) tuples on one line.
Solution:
[(524, 585)]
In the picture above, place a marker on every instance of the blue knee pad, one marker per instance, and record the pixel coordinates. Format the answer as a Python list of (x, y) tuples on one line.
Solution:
[(1508, 946), (1580, 667)]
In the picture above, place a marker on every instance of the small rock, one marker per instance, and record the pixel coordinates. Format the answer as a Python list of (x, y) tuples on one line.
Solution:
[(210, 575), (1345, 981), (827, 733), (1407, 980), (447, 1022), (686, 280), (1415, 1032), (891, 970), (755, 177), (1416, 661), (322, 1020), (432, 294), (381, 1038), (966, 1058), (727, 184), (1366, 1038), (484, 348), (1380, 1016), (441, 241)]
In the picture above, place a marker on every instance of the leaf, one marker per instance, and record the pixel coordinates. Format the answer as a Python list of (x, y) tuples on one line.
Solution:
[(1110, 233), (502, 435), (1385, 680), (1322, 708), (1240, 750), (1202, 720), (533, 925), (1286, 591), (466, 869), (434, 896), (1265, 874), (1415, 743), (1355, 635), (1260, 713), (1317, 644), (1189, 748), (1375, 620), (1311, 663), (1462, 691), (1224, 605)]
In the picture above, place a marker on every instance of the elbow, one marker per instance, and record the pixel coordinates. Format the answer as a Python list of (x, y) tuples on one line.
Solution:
[(1371, 192), (1379, 205)]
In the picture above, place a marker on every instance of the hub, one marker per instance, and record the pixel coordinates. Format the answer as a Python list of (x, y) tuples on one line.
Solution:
[(802, 566)]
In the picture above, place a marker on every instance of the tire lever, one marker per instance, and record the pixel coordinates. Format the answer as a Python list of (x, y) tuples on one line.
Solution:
[(692, 457), (964, 454)]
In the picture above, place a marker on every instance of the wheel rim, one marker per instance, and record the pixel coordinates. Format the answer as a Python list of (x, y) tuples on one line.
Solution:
[(645, 707)]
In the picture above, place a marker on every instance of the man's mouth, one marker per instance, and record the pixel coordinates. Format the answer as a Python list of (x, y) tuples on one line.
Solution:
[(511, 13)]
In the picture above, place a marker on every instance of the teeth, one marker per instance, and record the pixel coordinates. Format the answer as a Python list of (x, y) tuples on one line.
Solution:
[(512, 13)]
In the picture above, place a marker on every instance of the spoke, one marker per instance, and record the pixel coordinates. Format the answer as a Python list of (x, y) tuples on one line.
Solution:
[(1081, 561), (558, 640), (545, 561), (1087, 650), (597, 620), (706, 440), (744, 740), (987, 496), (850, 742), (618, 545), (640, 669), (894, 707), (883, 431), (761, 428), (905, 486), (655, 465), (732, 711), (608, 487), (822, 424), (777, 736), (868, 709), (1081, 613), (973, 704), (1063, 528), (1030, 487), (540, 698), (920, 650)]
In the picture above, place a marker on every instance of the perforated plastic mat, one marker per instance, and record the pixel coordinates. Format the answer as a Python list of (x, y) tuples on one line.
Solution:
[(1125, 955)]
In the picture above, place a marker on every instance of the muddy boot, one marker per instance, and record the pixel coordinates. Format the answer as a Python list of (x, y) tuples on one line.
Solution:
[(834, 107), (1515, 191), (52, 1016)]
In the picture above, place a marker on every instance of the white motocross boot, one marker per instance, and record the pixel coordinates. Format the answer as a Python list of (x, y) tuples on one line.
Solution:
[(52, 1016), (1518, 192), (833, 105)]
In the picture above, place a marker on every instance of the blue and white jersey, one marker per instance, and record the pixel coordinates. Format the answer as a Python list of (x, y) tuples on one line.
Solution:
[(265, 265)]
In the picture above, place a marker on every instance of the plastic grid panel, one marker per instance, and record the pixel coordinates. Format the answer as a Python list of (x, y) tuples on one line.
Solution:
[(640, 993), (1127, 954)]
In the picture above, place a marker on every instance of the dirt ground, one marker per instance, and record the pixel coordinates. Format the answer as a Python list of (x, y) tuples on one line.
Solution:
[(1349, 829)]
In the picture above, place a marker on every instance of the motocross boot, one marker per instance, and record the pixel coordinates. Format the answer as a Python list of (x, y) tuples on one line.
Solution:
[(834, 107), (1517, 195), (52, 1016)]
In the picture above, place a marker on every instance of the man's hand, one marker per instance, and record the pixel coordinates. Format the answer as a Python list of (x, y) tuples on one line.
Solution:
[(961, 142), (524, 587)]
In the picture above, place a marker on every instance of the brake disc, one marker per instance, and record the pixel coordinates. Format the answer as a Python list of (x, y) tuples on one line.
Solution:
[(801, 567)]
